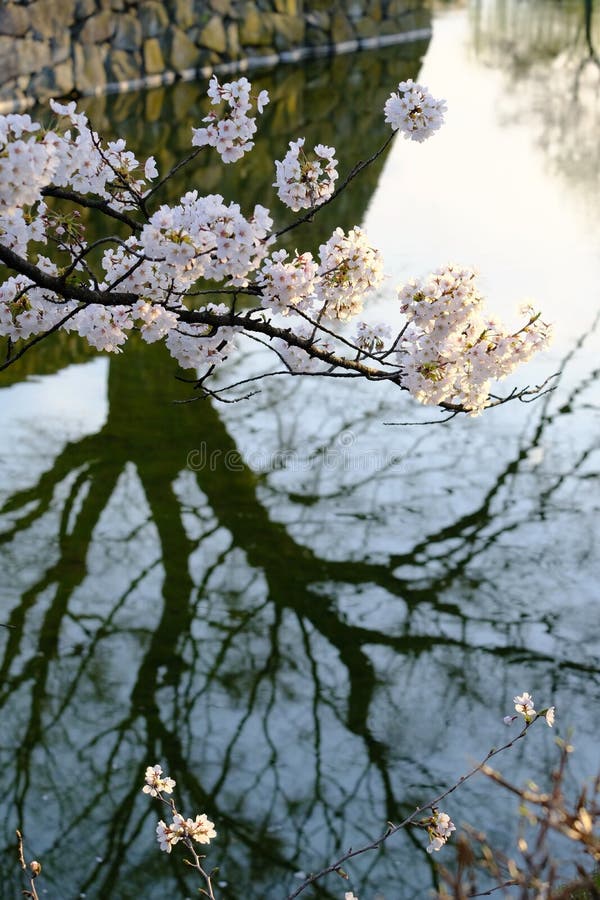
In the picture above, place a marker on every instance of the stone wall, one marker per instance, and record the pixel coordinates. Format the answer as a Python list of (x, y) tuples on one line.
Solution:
[(77, 47)]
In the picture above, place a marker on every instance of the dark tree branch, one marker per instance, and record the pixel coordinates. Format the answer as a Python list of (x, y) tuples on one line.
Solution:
[(92, 203)]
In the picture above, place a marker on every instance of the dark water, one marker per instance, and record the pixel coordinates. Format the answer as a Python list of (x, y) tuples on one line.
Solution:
[(313, 621)]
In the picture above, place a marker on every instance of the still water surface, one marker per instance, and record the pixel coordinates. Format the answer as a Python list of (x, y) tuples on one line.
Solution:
[(314, 620)]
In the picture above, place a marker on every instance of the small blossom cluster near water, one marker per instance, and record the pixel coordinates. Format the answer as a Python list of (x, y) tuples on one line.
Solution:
[(335, 287), (413, 111), (304, 180), (155, 783), (451, 348), (525, 706), (199, 829), (439, 830)]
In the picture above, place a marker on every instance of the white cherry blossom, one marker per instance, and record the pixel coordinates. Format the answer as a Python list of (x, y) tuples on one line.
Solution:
[(413, 111), (156, 783), (305, 180)]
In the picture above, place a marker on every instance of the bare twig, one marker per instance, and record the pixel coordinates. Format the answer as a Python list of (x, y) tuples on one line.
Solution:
[(393, 829), (33, 868), (92, 203), (38, 338)]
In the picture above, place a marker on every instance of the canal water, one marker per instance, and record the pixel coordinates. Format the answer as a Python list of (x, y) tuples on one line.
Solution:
[(312, 618)]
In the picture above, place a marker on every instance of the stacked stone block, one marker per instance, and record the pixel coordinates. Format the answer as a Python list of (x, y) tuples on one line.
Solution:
[(72, 47)]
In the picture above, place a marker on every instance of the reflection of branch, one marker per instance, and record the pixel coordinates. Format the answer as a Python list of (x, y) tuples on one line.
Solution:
[(589, 13), (291, 572), (548, 48)]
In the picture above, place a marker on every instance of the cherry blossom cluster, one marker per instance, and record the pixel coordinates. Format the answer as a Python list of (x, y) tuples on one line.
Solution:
[(107, 328), (32, 158), (28, 162), (26, 309), (288, 285), (525, 707), (84, 164), (350, 267), (18, 231), (199, 237), (231, 135), (372, 337), (155, 783), (448, 352), (203, 237), (104, 328), (305, 180), (439, 829), (200, 829), (413, 111), (451, 350)]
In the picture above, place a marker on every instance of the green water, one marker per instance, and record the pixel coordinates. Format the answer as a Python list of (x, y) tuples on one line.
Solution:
[(312, 620)]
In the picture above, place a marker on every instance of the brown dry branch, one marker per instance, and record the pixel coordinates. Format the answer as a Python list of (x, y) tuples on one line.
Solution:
[(533, 869)]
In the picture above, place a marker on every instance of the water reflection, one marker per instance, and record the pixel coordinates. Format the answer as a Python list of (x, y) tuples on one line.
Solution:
[(550, 54), (310, 631)]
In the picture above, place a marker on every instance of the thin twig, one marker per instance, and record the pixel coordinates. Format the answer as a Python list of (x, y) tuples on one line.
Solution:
[(38, 338), (170, 173), (92, 203), (491, 891), (393, 829)]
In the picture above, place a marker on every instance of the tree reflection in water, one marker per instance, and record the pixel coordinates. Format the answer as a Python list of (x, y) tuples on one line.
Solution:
[(308, 648), (549, 52)]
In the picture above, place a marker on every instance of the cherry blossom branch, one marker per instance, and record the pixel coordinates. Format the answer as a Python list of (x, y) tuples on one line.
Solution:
[(172, 171), (57, 285), (447, 354), (409, 820), (319, 327), (307, 217), (36, 340), (102, 206), (183, 830), (246, 322)]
